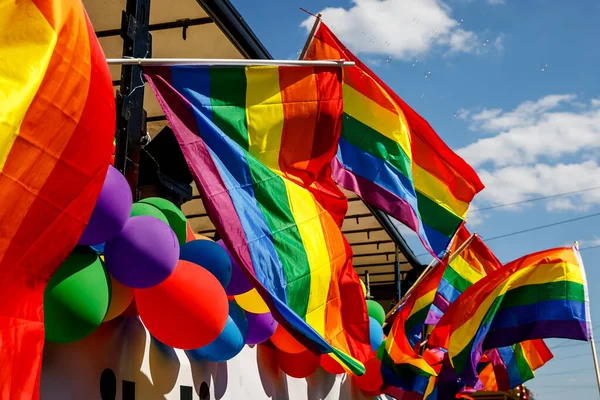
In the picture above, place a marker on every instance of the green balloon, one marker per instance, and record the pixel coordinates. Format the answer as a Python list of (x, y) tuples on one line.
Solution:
[(376, 311), (176, 218), (149, 210), (76, 298)]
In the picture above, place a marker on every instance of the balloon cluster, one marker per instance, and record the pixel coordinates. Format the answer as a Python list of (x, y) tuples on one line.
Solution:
[(190, 293)]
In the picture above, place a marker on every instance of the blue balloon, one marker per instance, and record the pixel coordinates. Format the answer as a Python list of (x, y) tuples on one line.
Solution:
[(376, 333), (210, 256), (231, 340)]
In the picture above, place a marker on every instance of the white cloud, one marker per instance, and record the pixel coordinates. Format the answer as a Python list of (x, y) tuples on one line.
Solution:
[(532, 131), (590, 242), (401, 28), (538, 149)]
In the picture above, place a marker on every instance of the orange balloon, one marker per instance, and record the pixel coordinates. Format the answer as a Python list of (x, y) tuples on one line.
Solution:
[(131, 311), (120, 299), (201, 237), (299, 365), (285, 342), (371, 381), (330, 365), (187, 310)]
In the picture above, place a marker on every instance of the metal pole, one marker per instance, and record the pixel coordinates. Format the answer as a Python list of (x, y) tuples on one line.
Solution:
[(131, 125), (397, 278), (225, 61)]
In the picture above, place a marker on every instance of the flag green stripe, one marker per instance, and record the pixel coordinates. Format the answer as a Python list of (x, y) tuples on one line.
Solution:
[(455, 279), (530, 294), (522, 364), (369, 140), (437, 217), (269, 189)]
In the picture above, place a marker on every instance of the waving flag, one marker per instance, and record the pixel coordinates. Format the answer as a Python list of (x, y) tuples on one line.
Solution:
[(542, 295), (392, 158), (57, 123), (259, 142)]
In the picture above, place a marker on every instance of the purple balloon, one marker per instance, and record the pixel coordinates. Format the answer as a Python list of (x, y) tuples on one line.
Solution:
[(144, 254), (111, 211), (239, 282), (260, 327)]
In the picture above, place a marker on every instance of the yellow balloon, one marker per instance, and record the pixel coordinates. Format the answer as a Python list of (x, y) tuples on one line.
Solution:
[(363, 287), (252, 302), (120, 298)]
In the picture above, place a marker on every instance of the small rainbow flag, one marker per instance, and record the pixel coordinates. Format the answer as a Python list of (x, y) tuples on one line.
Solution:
[(57, 122), (259, 142), (511, 366), (473, 262), (541, 295), (392, 158)]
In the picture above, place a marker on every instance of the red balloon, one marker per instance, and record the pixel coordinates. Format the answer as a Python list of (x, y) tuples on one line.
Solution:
[(299, 365), (330, 365), (371, 381), (285, 342), (187, 310)]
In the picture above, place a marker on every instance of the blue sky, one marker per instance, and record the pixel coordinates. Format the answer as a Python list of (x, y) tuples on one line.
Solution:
[(514, 87)]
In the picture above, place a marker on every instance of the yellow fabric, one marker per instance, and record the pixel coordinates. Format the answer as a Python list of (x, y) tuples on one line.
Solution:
[(436, 190), (26, 39)]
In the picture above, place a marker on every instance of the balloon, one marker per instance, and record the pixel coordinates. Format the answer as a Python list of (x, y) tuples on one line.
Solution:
[(189, 232), (230, 341), (364, 288), (260, 327), (330, 365), (375, 333), (209, 255), (176, 218), (111, 211), (298, 365), (371, 380), (139, 209), (252, 302), (144, 254), (76, 298), (376, 311), (187, 310), (202, 237), (239, 282), (285, 342), (131, 311), (120, 299), (98, 248)]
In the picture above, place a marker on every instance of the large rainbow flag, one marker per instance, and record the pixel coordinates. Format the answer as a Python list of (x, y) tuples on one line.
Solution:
[(392, 158), (541, 295), (259, 141), (57, 123)]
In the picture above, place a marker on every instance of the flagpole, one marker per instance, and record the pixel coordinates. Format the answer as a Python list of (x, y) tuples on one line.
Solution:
[(311, 36), (592, 343), (431, 265), (225, 62)]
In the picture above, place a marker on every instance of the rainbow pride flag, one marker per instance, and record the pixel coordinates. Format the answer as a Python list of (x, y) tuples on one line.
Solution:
[(474, 262), (541, 295), (392, 158), (511, 366), (57, 123), (259, 142)]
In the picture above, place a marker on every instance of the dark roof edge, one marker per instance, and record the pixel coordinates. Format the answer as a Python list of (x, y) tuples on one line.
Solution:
[(229, 20), (232, 23), (396, 236)]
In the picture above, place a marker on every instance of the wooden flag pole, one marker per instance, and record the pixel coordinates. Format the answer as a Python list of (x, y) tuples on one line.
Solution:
[(431, 265), (311, 36), (592, 343)]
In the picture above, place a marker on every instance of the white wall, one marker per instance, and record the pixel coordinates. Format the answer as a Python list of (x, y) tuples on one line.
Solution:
[(74, 371)]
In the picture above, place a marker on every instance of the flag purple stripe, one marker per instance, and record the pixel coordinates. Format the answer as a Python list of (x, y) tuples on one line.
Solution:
[(570, 329)]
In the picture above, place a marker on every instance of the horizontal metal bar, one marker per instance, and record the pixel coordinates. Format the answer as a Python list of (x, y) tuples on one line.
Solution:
[(190, 216), (354, 216), (225, 61), (156, 118), (365, 230), (181, 23)]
